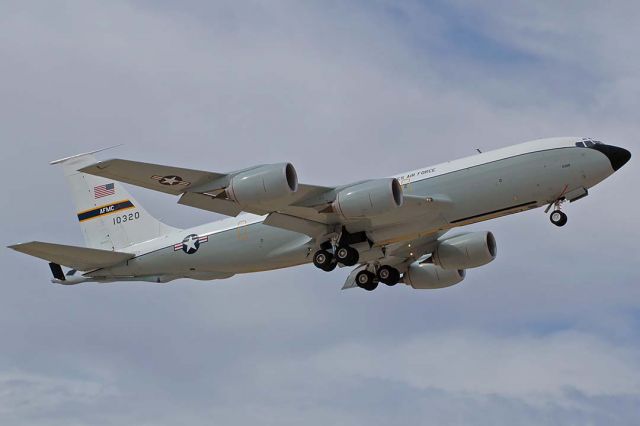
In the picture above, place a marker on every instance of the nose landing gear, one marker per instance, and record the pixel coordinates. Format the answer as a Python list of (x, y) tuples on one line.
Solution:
[(558, 218)]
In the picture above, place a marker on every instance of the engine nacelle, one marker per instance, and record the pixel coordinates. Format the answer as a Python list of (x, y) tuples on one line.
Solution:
[(429, 276), (264, 185), (466, 251), (371, 198)]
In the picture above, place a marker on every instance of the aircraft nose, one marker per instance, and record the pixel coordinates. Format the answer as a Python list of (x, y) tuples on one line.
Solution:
[(616, 155)]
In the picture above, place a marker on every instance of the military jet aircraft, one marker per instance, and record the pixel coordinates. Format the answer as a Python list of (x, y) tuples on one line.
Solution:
[(393, 229)]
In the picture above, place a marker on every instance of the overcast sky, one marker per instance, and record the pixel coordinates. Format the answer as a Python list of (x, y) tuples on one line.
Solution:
[(549, 333)]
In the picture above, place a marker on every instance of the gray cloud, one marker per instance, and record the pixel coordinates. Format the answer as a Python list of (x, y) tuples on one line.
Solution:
[(547, 334)]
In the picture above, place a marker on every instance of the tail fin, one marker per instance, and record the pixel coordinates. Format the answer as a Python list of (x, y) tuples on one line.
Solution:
[(110, 218)]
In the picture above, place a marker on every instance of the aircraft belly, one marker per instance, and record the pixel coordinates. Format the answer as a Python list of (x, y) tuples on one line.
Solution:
[(255, 247)]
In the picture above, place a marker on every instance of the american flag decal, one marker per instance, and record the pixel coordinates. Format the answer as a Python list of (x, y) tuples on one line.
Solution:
[(104, 190)]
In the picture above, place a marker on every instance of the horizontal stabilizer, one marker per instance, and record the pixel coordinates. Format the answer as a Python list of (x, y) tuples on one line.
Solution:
[(80, 258)]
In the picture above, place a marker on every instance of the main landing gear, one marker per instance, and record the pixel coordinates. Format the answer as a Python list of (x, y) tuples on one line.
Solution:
[(385, 274), (388, 275), (324, 260), (339, 250), (348, 256), (327, 261)]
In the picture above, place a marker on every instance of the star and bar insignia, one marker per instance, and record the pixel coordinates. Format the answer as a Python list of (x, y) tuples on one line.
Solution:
[(170, 180), (191, 243)]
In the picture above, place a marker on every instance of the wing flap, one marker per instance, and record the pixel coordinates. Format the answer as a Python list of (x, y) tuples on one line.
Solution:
[(212, 204), (296, 224), (81, 258)]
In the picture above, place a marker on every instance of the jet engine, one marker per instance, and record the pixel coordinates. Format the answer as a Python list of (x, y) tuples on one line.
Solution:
[(264, 185), (370, 198), (465, 251), (428, 276)]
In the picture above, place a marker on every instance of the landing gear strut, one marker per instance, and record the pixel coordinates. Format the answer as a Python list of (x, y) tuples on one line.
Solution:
[(557, 217)]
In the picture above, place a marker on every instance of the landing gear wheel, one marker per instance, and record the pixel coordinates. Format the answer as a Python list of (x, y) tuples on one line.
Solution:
[(324, 260), (331, 266), (388, 275), (348, 256), (366, 280), (558, 218)]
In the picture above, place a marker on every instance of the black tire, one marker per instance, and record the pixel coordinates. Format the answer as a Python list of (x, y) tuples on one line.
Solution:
[(388, 275), (366, 280), (324, 260), (346, 255), (331, 266), (558, 218)]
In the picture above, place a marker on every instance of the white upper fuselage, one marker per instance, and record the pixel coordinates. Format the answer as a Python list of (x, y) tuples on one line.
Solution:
[(468, 190)]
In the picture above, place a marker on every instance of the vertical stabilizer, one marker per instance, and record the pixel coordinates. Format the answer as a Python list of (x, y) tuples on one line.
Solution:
[(110, 218)]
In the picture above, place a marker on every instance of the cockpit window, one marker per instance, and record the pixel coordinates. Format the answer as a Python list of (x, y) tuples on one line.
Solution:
[(588, 142)]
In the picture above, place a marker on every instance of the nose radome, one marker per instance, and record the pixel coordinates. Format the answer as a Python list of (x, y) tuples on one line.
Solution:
[(616, 155)]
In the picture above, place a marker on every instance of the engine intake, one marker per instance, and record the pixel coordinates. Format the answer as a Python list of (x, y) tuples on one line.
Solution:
[(429, 276), (264, 185), (466, 251), (370, 198)]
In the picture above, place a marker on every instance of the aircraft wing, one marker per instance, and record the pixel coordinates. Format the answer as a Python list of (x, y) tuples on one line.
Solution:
[(201, 189), (167, 179), (310, 209), (80, 258)]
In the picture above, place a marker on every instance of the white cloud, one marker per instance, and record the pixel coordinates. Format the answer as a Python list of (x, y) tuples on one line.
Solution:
[(27, 393), (527, 367)]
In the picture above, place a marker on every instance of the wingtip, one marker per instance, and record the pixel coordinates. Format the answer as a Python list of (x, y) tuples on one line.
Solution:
[(17, 246), (62, 160)]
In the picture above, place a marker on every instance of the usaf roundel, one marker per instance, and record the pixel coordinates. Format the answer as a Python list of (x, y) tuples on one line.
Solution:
[(190, 244), (170, 180)]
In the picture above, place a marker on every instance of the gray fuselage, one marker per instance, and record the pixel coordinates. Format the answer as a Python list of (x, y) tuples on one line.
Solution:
[(478, 188)]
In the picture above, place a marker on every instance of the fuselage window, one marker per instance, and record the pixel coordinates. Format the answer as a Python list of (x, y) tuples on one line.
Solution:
[(589, 143), (580, 144)]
